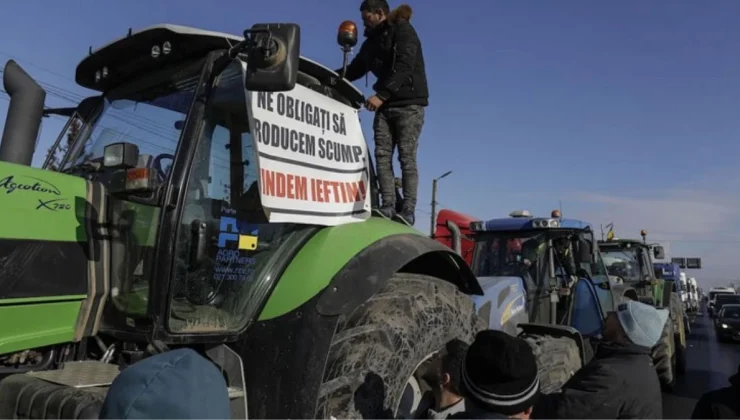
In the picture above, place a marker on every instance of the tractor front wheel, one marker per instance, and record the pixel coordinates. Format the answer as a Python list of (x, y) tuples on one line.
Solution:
[(375, 355)]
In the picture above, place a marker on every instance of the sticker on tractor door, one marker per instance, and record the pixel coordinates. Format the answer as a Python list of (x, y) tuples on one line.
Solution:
[(48, 195), (235, 240), (312, 156), (515, 306)]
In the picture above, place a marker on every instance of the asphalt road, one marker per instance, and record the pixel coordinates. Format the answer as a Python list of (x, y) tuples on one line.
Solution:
[(708, 365)]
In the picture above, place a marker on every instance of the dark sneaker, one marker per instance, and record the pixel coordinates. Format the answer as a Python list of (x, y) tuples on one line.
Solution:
[(406, 218), (387, 212)]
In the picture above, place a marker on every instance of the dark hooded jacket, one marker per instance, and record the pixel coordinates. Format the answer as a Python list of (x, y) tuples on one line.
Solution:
[(392, 52), (178, 384), (723, 403), (620, 382)]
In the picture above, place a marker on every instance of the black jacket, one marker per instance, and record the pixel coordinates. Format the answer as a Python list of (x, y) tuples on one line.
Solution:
[(620, 382), (721, 403), (392, 52), (477, 415)]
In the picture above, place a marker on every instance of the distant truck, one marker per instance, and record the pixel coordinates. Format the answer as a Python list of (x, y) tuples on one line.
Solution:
[(694, 294), (672, 272)]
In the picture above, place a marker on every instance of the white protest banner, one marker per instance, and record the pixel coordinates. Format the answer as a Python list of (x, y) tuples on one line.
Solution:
[(312, 158)]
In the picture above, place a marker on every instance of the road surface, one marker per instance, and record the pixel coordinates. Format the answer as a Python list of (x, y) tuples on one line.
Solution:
[(708, 366)]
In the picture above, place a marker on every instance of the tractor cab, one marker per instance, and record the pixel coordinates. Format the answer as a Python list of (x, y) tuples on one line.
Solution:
[(555, 261), (170, 141), (629, 263)]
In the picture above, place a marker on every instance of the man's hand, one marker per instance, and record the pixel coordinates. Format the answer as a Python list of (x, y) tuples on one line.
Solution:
[(373, 103)]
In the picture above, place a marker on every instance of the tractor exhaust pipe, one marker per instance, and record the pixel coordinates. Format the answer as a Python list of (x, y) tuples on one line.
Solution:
[(24, 115), (456, 236)]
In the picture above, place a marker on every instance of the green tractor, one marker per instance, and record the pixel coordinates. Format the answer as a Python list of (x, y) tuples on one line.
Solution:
[(630, 266), (168, 225)]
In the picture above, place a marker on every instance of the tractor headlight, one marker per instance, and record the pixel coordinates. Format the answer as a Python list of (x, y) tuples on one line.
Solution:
[(544, 223)]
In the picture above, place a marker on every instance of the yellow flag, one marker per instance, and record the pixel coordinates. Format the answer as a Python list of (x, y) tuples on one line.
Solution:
[(610, 234)]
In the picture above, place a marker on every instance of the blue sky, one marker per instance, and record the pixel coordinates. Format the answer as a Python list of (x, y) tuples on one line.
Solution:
[(625, 111)]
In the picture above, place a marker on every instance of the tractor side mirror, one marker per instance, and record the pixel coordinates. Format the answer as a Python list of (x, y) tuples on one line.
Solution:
[(273, 57), (120, 155), (659, 252), (585, 251)]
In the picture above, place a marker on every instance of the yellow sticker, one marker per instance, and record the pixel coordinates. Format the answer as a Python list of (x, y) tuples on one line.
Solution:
[(248, 242)]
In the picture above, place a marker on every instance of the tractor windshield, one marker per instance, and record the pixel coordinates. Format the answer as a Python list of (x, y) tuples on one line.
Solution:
[(501, 254), (147, 113), (508, 253), (627, 262)]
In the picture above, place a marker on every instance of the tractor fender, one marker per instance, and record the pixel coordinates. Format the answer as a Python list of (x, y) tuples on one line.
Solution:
[(371, 269)]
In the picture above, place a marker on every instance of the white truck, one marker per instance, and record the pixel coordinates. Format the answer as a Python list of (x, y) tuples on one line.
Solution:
[(684, 292), (694, 293)]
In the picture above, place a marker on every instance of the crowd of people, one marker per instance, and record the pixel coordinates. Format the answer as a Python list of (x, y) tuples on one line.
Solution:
[(494, 377)]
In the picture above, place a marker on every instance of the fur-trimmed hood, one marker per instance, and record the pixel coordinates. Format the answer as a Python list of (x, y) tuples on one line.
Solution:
[(402, 12)]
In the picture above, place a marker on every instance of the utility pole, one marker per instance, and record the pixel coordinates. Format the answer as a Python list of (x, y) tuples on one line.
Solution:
[(433, 221)]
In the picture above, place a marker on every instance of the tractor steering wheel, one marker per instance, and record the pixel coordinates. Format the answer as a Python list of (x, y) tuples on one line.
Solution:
[(157, 164)]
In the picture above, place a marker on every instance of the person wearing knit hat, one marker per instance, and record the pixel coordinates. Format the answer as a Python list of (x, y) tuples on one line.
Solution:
[(500, 377), (620, 381)]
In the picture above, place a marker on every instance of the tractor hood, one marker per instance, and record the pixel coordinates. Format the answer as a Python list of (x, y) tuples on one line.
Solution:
[(52, 257), (503, 303)]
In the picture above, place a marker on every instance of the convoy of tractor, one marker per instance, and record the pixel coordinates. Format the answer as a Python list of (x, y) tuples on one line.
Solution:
[(117, 256)]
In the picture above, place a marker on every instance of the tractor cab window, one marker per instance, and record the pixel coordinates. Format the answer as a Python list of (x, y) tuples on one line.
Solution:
[(146, 113), (622, 262), (646, 266), (225, 247), (502, 254)]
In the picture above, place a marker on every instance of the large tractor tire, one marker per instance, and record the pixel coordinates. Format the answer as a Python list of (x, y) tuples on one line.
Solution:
[(558, 358), (372, 370), (664, 356)]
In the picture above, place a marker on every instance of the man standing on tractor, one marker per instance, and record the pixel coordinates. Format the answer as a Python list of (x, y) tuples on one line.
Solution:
[(392, 52)]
